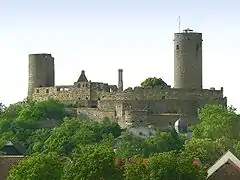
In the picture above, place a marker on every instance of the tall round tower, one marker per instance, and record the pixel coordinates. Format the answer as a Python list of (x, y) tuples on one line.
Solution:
[(188, 60), (40, 71)]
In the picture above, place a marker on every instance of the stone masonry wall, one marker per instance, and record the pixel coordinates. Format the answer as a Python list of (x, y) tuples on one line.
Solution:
[(159, 106), (188, 60), (141, 106), (94, 114), (136, 118), (63, 93), (162, 120), (166, 120), (83, 93), (108, 105), (140, 93)]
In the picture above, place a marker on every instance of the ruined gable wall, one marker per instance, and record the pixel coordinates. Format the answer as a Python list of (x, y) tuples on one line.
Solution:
[(62, 93)]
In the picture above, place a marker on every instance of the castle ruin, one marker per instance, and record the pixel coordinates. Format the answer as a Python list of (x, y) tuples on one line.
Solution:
[(136, 106)]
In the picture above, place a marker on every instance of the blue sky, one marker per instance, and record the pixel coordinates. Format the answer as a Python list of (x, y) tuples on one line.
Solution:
[(102, 36)]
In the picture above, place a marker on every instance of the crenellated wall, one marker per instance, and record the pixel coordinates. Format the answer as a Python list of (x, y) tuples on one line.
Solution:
[(139, 93), (137, 106)]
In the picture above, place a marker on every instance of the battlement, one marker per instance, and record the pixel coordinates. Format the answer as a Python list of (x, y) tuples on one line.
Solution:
[(40, 54), (187, 36), (149, 93), (101, 91)]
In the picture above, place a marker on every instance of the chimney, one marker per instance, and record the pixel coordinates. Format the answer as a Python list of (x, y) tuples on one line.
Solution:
[(120, 80)]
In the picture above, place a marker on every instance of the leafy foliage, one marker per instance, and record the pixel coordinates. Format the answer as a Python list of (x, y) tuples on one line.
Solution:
[(131, 146), (217, 122), (95, 163), (163, 166), (135, 169), (83, 149), (2, 107), (155, 82), (38, 167), (37, 139), (162, 142), (165, 141), (21, 120), (75, 132)]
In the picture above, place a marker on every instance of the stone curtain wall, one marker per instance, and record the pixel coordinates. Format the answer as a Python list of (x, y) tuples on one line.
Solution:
[(137, 118), (85, 93), (156, 94), (63, 93), (141, 106), (94, 114)]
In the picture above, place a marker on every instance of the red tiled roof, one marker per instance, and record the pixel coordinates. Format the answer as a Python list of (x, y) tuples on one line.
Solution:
[(6, 163)]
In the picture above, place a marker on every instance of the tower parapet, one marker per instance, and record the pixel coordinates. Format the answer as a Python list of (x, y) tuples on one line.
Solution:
[(188, 60)]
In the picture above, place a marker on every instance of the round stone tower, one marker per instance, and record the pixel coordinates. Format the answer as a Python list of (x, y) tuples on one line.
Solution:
[(40, 71), (188, 60)]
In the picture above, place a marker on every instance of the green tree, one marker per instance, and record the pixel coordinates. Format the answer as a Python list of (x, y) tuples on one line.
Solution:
[(130, 146), (11, 112), (216, 122), (206, 151), (107, 126), (165, 141), (2, 107), (108, 140), (38, 167), (236, 149), (42, 110), (75, 132), (96, 162), (22, 119), (66, 137), (163, 166), (155, 82), (36, 140), (135, 169)]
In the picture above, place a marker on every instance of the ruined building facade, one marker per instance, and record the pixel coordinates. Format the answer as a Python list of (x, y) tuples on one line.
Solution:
[(133, 106)]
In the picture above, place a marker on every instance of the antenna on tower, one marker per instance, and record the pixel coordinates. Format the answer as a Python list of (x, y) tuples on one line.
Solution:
[(179, 24)]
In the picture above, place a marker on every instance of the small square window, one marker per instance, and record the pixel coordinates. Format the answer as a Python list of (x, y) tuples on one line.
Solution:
[(177, 47)]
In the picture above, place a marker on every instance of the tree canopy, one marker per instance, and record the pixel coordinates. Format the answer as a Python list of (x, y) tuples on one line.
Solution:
[(155, 82), (38, 167), (217, 122), (78, 148)]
